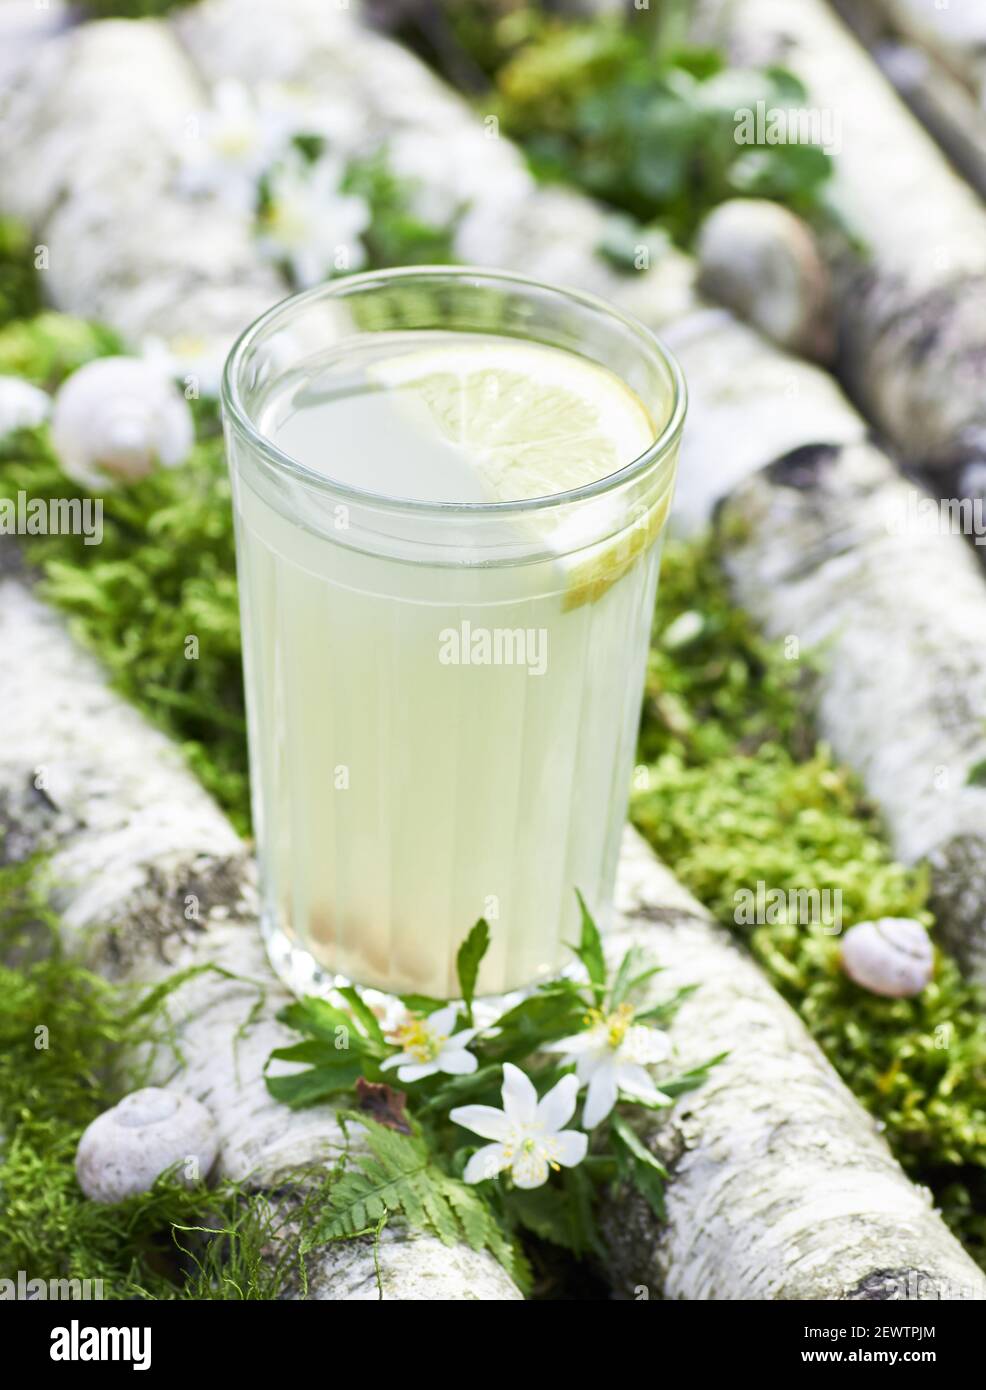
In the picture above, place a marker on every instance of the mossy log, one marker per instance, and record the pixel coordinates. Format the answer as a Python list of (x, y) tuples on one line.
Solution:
[(151, 879), (897, 613), (909, 262), (93, 119), (782, 1188)]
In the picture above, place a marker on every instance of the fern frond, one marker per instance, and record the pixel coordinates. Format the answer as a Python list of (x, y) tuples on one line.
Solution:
[(397, 1177)]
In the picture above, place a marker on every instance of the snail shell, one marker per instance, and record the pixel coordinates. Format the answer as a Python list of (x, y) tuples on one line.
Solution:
[(116, 419), (892, 956), (22, 406), (126, 1148), (761, 261)]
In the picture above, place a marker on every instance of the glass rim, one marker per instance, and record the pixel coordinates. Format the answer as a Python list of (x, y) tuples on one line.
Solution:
[(239, 417)]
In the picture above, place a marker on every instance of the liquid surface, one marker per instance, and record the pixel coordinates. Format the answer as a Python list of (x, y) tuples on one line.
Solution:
[(459, 418)]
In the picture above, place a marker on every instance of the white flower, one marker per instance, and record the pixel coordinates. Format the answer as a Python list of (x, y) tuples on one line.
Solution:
[(116, 419), (610, 1057), (22, 406), (429, 1045), (310, 224), (529, 1134), (230, 145), (448, 170), (190, 360)]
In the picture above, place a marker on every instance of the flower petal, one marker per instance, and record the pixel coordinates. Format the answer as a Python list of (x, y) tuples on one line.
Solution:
[(486, 1162), (578, 1042), (570, 1147), (520, 1099), (442, 1021), (417, 1071), (643, 1045), (530, 1167), (484, 1120), (456, 1061), (601, 1096), (399, 1059), (558, 1106), (637, 1083)]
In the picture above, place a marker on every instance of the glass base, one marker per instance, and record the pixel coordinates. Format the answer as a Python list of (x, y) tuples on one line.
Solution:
[(301, 973)]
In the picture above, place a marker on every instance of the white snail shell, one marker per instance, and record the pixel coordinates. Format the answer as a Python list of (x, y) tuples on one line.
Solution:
[(126, 1148), (761, 261), (116, 419), (892, 956), (22, 406)]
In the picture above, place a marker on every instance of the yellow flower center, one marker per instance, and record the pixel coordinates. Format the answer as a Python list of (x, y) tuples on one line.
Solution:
[(417, 1038), (614, 1025)]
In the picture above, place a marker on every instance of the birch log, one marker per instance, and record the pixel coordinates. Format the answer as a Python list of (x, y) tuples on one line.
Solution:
[(935, 58), (152, 879), (953, 32), (941, 102), (813, 548), (900, 720), (911, 275), (781, 1188), (94, 120)]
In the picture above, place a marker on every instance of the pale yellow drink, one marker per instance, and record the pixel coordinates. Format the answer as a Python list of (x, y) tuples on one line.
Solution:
[(438, 732)]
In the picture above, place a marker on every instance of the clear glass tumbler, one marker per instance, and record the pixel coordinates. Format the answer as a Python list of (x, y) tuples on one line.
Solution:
[(442, 697)]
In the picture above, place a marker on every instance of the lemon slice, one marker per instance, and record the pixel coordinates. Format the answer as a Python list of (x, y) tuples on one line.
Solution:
[(532, 422)]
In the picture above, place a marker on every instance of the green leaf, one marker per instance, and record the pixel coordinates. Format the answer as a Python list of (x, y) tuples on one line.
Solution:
[(590, 951), (316, 1083), (358, 1031), (365, 1015), (638, 1165), (561, 1211), (319, 1019), (689, 1080), (421, 1003), (630, 976), (667, 1008), (480, 1086), (467, 962), (553, 1012)]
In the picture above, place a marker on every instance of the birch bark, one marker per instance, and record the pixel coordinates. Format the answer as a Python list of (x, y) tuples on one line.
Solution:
[(911, 273)]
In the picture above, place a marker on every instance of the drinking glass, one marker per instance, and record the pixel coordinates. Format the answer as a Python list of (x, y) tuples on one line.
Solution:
[(442, 697)]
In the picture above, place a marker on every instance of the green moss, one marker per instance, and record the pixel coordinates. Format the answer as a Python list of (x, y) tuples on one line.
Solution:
[(156, 600), (20, 293), (734, 792), (48, 347), (62, 1029), (133, 9)]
